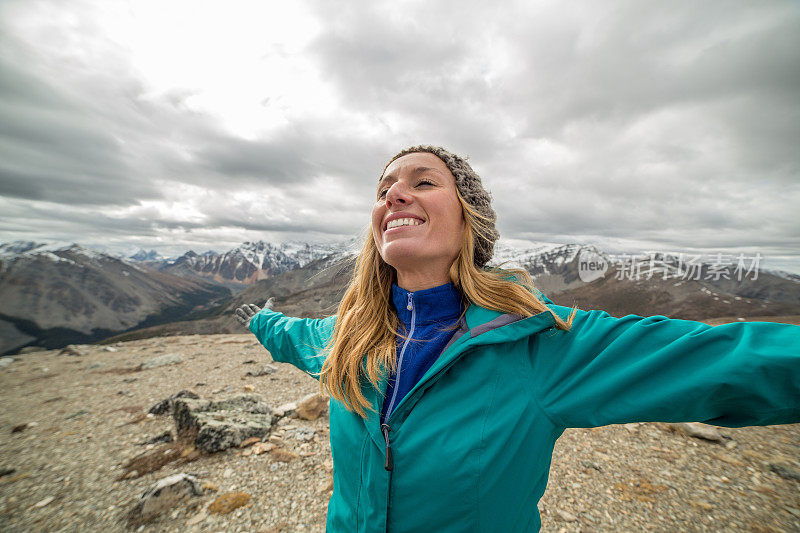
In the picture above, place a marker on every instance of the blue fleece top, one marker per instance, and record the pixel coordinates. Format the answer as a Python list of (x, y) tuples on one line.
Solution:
[(428, 318)]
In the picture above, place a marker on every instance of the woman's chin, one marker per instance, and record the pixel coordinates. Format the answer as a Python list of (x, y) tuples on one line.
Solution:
[(403, 252)]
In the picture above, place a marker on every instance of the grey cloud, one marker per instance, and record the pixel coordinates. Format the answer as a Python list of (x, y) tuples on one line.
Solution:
[(54, 148), (677, 123), (299, 154)]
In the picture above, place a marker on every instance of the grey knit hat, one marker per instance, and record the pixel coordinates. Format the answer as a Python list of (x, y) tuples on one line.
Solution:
[(471, 190)]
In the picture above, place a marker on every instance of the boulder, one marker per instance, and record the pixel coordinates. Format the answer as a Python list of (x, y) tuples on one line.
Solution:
[(31, 349), (264, 370), (785, 470), (166, 493), (312, 406), (72, 350), (162, 360), (698, 430), (217, 425)]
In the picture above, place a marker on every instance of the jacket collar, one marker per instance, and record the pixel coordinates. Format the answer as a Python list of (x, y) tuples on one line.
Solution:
[(436, 304)]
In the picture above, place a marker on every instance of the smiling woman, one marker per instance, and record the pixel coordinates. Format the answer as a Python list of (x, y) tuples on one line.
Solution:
[(450, 381)]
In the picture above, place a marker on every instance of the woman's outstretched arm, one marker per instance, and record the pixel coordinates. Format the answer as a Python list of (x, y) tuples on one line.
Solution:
[(298, 341), (609, 370)]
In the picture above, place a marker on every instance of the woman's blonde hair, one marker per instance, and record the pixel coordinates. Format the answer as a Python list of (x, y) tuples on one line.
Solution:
[(363, 345)]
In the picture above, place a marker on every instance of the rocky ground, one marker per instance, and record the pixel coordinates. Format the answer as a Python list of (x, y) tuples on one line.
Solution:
[(71, 424)]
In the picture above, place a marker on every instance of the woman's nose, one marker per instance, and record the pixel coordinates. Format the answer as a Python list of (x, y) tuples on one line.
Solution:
[(398, 193)]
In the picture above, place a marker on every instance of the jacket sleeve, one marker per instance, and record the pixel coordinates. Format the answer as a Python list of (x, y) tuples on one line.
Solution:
[(608, 370), (298, 341)]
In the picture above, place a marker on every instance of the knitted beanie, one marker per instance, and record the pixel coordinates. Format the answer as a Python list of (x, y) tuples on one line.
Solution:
[(471, 190)]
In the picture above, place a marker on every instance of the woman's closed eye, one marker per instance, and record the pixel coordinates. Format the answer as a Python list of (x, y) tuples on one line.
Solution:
[(383, 191)]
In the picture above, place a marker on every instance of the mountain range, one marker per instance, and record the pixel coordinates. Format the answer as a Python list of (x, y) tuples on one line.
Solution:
[(243, 265), (52, 295)]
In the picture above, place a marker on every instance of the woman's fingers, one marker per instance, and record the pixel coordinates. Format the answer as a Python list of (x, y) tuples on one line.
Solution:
[(242, 316), (247, 311)]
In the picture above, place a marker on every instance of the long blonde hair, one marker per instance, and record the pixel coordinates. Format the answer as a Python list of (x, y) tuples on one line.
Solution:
[(363, 344)]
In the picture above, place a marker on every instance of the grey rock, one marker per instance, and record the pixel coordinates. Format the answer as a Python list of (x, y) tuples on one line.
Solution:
[(31, 349), (167, 493), (5, 361), (109, 349), (95, 365), (304, 434), (21, 427), (72, 350), (700, 431), (287, 409), (165, 405), (162, 360), (217, 425), (785, 471), (265, 370), (566, 516), (589, 464)]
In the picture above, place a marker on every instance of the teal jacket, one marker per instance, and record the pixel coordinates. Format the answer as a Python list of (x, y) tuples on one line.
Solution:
[(471, 443)]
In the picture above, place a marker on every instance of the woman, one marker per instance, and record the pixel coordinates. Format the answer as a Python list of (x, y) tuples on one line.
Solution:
[(450, 382)]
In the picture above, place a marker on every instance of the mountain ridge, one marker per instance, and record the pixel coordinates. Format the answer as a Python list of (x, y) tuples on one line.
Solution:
[(308, 281)]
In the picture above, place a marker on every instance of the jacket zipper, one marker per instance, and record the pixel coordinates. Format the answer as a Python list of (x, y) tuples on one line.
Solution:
[(410, 307), (385, 428), (389, 465)]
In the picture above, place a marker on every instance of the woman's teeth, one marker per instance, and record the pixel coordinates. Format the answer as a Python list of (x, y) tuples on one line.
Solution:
[(403, 222)]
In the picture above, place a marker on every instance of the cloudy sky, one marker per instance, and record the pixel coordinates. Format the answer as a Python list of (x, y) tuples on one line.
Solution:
[(670, 126)]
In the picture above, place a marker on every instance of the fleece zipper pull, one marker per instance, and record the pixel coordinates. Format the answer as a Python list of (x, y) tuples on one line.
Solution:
[(389, 466), (410, 305)]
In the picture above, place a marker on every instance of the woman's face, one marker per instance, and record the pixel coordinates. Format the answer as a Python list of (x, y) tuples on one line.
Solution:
[(417, 222)]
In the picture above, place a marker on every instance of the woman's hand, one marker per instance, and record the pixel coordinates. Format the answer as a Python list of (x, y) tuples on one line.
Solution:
[(246, 312)]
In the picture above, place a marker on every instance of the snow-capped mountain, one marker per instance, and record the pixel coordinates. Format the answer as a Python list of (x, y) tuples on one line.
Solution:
[(252, 261), (143, 256), (554, 267)]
